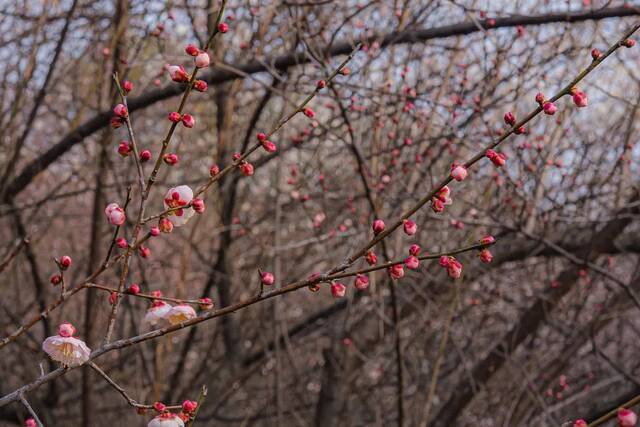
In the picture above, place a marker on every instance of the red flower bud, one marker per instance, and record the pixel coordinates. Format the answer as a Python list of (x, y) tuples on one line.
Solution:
[(145, 156), (170, 159), (200, 85), (127, 86), (133, 289), (121, 111), (509, 118), (223, 27), (188, 120), (378, 226), (192, 50), (65, 262), (175, 117)]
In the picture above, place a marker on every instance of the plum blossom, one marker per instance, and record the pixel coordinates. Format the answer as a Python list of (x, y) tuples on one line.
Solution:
[(412, 262), (396, 271), (458, 172), (157, 313), (66, 349), (166, 419), (361, 282), (176, 198), (410, 227), (627, 418), (338, 289), (178, 73), (180, 313), (453, 266), (115, 214), (441, 199)]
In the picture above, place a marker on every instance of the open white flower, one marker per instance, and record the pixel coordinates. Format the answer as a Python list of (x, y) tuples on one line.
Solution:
[(180, 313), (66, 349), (175, 198), (157, 313), (166, 419)]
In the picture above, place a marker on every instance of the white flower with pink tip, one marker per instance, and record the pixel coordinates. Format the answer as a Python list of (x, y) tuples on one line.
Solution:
[(166, 419), (115, 214), (176, 198), (157, 313), (180, 313), (66, 349)]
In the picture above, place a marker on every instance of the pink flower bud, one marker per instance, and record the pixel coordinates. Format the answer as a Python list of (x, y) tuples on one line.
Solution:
[(144, 252), (414, 250), (412, 262), (65, 262), (198, 205), (191, 50), (267, 278), (540, 98), (410, 227), (627, 418), (116, 122), (396, 271), (188, 120), (55, 279), (549, 108), (175, 117), (66, 330), (580, 99), (580, 423), (30, 422), (223, 27), (124, 148), (159, 406), (121, 111), (629, 43), (127, 86), (378, 226), (485, 256), (178, 73), (200, 85), (145, 156), (458, 172), (371, 258), (121, 242), (189, 406), (214, 170), (261, 136), (246, 168), (269, 146), (437, 205), (115, 214), (345, 71), (165, 225), (205, 303), (202, 60), (170, 159), (308, 112), (509, 118), (133, 289), (361, 282), (154, 231), (595, 54), (338, 289), (487, 240), (113, 297), (321, 84), (497, 159)]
